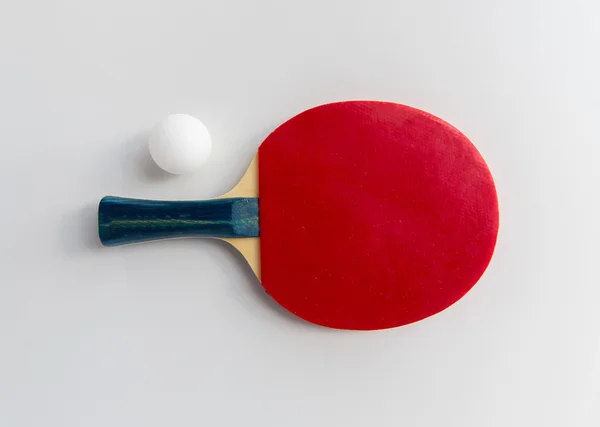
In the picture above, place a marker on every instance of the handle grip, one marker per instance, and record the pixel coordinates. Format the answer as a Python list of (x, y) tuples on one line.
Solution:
[(122, 221)]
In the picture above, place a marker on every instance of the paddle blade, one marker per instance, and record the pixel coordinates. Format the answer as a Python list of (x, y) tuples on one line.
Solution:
[(373, 215)]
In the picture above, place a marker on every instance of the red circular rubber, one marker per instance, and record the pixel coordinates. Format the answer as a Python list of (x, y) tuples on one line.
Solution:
[(372, 215)]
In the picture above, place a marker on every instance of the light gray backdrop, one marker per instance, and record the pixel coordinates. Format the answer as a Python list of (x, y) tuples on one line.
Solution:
[(179, 333)]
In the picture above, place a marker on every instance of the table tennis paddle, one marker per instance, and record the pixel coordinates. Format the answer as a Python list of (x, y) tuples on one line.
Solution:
[(372, 215)]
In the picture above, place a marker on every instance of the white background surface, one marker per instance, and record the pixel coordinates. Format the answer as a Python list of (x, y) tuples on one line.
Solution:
[(179, 333)]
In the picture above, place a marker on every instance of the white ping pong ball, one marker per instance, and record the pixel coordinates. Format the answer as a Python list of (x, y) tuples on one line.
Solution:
[(180, 144)]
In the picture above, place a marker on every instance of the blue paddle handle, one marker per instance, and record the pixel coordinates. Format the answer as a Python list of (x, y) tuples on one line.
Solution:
[(122, 221)]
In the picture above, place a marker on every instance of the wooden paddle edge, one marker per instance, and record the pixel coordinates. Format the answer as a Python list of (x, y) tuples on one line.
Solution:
[(248, 247)]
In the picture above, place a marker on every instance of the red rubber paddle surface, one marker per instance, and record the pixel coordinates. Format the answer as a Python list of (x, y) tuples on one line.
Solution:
[(372, 215)]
